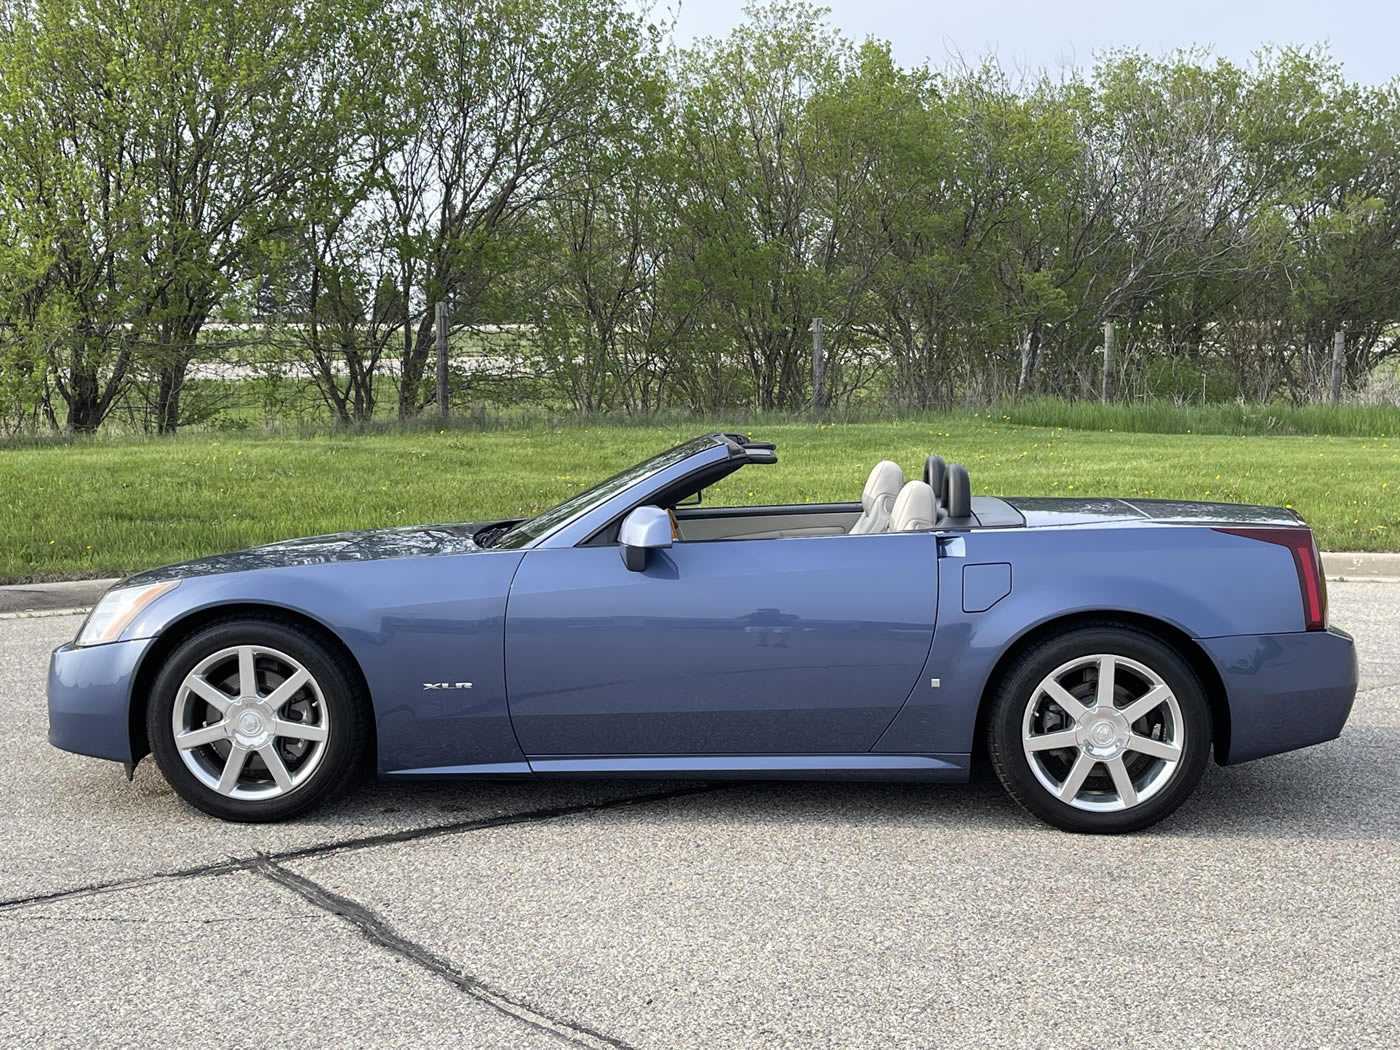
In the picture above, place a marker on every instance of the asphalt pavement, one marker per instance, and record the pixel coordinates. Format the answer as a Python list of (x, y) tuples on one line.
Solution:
[(1262, 914)]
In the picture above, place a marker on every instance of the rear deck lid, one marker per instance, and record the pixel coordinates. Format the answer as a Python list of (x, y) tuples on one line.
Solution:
[(1044, 511)]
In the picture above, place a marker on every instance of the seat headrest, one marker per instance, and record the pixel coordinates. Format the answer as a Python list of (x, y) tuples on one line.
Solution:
[(884, 482), (959, 501), (915, 508), (936, 476)]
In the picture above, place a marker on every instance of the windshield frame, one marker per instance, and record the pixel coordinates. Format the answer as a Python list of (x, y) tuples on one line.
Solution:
[(557, 526)]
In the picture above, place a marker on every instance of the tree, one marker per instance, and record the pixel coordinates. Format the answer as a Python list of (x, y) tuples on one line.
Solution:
[(334, 272), (755, 244), (151, 148), (607, 319), (496, 93), (1337, 217)]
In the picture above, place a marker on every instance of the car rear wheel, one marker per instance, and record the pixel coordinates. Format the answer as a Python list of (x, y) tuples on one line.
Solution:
[(1102, 729), (256, 720)]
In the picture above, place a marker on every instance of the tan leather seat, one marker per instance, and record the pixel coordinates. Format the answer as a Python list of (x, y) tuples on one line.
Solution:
[(877, 501), (914, 508)]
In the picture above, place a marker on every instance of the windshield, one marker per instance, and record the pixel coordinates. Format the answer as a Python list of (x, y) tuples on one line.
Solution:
[(599, 494)]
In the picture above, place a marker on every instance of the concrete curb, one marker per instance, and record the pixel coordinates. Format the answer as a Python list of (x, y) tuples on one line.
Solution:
[(1370, 565), (30, 598), (77, 596)]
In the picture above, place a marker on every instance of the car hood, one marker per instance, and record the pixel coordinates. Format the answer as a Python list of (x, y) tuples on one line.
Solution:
[(1057, 510), (370, 545)]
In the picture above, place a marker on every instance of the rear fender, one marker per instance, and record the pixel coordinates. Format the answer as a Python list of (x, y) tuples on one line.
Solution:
[(1203, 583)]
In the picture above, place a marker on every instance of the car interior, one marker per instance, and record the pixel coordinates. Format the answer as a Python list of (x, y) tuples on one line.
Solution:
[(941, 499)]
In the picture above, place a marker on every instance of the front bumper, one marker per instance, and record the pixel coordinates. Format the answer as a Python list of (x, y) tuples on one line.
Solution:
[(1285, 691), (90, 698)]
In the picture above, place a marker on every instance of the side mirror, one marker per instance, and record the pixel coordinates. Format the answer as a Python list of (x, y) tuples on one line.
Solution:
[(645, 529)]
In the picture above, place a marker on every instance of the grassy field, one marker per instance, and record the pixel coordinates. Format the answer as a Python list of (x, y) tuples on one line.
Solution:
[(1226, 417), (109, 507)]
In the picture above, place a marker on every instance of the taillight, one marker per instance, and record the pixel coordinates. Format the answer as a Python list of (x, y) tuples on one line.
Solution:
[(1311, 582)]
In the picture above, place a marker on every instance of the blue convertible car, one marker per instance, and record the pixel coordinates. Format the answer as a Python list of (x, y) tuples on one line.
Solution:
[(1098, 650)]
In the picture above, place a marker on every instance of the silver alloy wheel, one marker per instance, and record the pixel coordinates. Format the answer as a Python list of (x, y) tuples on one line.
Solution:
[(250, 722), (1103, 733)]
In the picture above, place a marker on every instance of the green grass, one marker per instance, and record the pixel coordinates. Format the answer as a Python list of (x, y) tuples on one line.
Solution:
[(104, 507), (1229, 417)]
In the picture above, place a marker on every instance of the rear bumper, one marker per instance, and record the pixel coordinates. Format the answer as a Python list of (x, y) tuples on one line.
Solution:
[(1285, 691), (90, 698)]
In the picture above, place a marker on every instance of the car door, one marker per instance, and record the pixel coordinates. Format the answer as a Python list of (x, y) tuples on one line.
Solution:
[(740, 647)]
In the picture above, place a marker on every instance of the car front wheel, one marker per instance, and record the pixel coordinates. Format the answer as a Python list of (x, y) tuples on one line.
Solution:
[(256, 719), (1102, 729)]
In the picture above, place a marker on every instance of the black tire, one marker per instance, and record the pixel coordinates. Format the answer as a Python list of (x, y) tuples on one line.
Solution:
[(345, 716), (1019, 687)]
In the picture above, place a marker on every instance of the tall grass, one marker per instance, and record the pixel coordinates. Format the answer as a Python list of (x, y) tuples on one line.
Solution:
[(1152, 417), (1165, 417)]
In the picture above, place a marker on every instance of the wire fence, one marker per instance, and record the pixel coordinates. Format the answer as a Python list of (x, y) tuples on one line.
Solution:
[(295, 375)]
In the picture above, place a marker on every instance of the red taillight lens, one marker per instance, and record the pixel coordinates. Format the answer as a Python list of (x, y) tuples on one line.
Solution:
[(1306, 560)]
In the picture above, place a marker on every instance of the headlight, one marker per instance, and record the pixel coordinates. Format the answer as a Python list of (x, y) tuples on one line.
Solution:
[(116, 609)]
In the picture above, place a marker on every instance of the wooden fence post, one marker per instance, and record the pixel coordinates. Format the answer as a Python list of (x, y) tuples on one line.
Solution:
[(440, 320), (1339, 353), (1108, 361)]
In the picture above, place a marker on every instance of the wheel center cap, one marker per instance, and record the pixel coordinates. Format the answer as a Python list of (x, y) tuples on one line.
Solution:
[(251, 726), (1103, 736)]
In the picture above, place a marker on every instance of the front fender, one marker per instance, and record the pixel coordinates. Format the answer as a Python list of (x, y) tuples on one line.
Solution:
[(406, 622)]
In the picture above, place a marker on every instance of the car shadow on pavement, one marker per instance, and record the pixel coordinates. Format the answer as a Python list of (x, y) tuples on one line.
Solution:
[(1346, 789)]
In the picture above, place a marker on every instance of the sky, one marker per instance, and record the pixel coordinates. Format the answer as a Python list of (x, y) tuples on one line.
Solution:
[(1363, 34)]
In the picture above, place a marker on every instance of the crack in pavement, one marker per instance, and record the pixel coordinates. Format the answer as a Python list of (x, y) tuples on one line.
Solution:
[(388, 838), (146, 921), (375, 929)]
